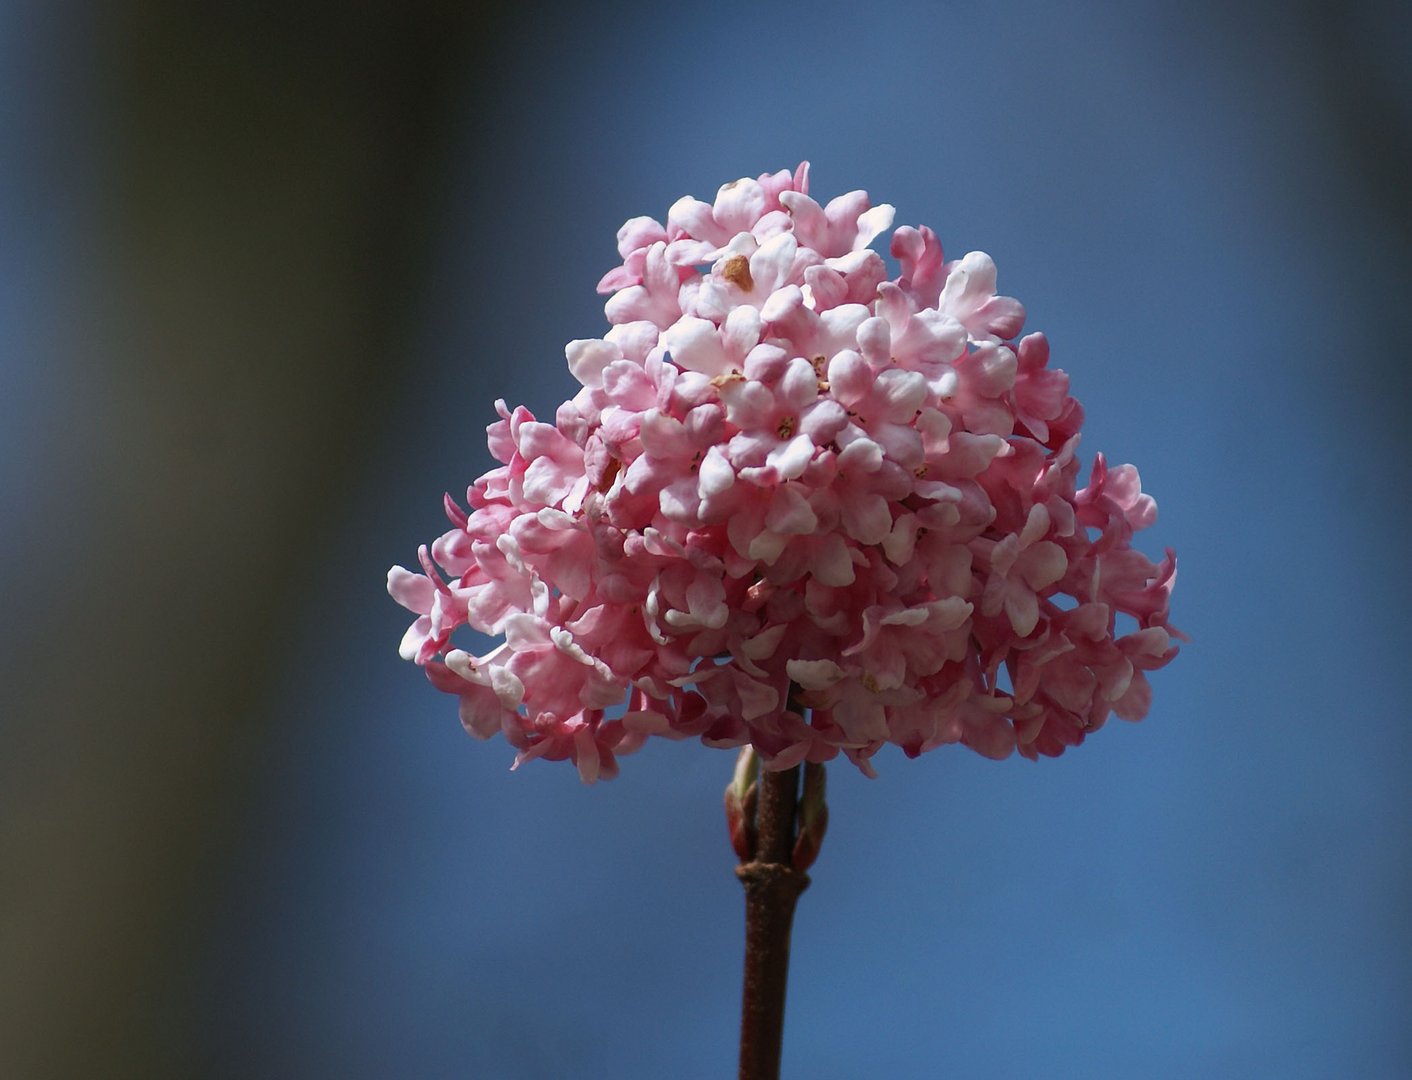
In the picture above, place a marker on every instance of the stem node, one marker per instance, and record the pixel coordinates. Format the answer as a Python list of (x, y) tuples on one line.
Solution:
[(772, 887)]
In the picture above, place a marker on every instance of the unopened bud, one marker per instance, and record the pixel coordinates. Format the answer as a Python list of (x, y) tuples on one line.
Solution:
[(741, 795), (813, 817)]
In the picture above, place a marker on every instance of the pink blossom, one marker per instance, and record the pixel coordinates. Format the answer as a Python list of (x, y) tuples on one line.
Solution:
[(796, 505)]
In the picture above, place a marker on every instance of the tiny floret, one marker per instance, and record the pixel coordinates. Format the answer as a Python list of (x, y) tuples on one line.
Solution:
[(795, 504)]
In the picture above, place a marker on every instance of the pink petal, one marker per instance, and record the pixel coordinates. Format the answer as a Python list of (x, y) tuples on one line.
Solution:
[(876, 340), (770, 266), (866, 517), (739, 205), (823, 421), (695, 218), (664, 436), (1043, 564), (832, 563), (900, 394), (1022, 609), (790, 513), (799, 387), (639, 232), (749, 404), (850, 378), (482, 715)]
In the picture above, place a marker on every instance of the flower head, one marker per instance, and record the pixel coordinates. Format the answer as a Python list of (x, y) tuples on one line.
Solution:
[(797, 505)]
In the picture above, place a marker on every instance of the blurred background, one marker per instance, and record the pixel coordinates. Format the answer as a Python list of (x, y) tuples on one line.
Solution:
[(265, 268)]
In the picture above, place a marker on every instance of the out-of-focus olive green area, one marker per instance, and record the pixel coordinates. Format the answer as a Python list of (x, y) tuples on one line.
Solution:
[(268, 176)]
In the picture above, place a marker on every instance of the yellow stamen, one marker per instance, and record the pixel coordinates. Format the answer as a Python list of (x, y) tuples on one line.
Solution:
[(737, 272)]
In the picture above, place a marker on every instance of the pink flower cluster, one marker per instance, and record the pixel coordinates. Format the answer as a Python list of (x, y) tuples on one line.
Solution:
[(795, 504)]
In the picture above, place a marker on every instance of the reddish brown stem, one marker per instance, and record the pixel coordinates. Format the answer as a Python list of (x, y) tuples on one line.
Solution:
[(772, 888)]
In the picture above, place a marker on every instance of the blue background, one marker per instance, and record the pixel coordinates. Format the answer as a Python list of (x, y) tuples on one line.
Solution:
[(1182, 201)]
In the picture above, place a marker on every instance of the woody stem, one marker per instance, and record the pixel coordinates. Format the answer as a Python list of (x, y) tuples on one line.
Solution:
[(772, 888)]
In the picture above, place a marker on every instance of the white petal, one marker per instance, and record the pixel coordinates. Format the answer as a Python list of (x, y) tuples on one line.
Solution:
[(814, 674), (417, 633), (871, 223), (715, 474), (695, 346), (588, 357), (791, 458), (507, 686), (763, 645), (413, 591)]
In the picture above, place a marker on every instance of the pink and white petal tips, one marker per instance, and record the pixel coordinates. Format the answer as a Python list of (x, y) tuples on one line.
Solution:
[(794, 504)]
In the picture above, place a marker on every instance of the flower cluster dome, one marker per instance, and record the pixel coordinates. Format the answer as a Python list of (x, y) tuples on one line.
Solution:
[(795, 504)]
